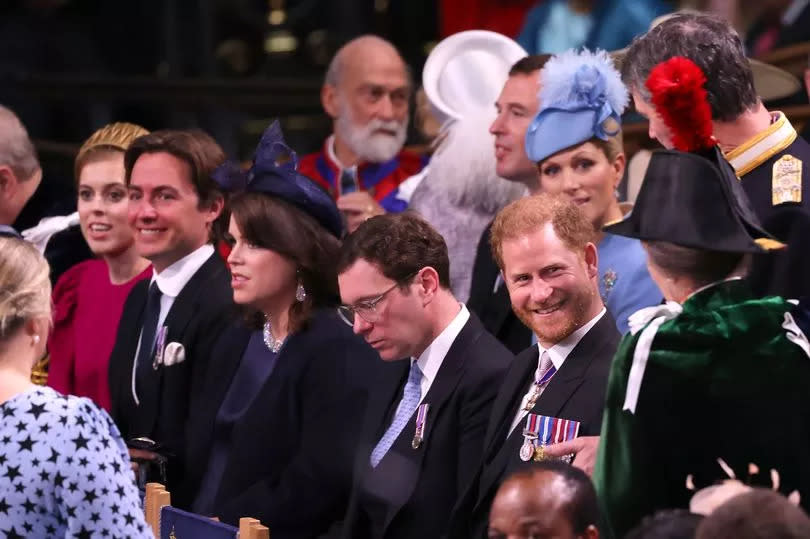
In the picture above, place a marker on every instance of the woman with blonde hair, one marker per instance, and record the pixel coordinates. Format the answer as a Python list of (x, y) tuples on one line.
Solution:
[(64, 469), (89, 298), (576, 141)]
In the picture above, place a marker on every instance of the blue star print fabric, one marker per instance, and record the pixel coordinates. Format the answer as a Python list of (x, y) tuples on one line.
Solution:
[(64, 471)]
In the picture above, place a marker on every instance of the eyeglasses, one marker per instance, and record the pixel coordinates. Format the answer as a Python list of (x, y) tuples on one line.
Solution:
[(367, 310)]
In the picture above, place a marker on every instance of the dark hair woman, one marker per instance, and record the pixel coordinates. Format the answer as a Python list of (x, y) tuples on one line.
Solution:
[(274, 436)]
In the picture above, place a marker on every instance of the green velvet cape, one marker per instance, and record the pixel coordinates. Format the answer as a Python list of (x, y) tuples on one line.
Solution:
[(722, 381)]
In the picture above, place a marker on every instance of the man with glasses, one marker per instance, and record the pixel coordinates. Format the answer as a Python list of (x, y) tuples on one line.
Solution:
[(424, 427)]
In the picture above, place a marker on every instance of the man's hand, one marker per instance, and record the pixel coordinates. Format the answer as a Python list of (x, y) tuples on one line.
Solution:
[(140, 455), (584, 450), (358, 207)]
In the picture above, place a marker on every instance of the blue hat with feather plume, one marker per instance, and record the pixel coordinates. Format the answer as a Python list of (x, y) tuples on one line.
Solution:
[(579, 92), (271, 176)]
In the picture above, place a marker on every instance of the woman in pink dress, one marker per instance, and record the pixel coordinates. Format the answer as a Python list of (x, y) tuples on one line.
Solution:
[(88, 298)]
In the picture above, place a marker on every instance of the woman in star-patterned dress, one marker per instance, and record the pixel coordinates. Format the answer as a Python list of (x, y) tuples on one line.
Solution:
[(64, 469)]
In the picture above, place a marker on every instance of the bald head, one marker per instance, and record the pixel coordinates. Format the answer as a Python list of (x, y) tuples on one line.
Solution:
[(550, 499), (20, 173), (360, 53), (367, 93), (16, 150)]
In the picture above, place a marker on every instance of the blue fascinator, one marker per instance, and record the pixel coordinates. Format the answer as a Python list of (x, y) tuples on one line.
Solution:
[(579, 91), (280, 179)]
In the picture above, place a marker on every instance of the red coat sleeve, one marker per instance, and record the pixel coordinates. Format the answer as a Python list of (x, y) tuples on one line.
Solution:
[(61, 342)]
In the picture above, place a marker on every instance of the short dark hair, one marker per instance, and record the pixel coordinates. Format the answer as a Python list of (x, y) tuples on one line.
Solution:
[(703, 267), (399, 244), (582, 509), (195, 147), (529, 64), (711, 43), (667, 524), (275, 224), (758, 514)]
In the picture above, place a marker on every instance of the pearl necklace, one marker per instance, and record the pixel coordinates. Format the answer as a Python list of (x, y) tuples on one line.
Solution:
[(271, 343)]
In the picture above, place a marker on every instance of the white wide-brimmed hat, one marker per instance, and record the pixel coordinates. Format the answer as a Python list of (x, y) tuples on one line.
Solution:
[(466, 72)]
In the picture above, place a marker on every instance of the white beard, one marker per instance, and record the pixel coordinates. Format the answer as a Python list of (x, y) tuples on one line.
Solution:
[(365, 142)]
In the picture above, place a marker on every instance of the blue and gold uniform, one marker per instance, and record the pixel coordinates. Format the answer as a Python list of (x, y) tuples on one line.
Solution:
[(774, 169)]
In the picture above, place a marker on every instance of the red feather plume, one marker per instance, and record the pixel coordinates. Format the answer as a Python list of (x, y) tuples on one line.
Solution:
[(679, 97)]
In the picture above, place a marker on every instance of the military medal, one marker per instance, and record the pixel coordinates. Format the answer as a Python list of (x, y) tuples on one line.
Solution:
[(421, 416), (539, 453), (786, 180), (529, 437), (547, 430), (537, 387)]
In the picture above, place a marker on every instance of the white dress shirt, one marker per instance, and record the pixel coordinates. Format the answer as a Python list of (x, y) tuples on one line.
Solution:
[(171, 282), (431, 359), (558, 353)]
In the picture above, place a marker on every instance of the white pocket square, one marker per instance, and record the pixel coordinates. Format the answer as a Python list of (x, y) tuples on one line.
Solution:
[(173, 354)]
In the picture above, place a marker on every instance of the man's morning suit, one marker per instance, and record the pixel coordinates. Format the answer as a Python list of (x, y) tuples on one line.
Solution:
[(576, 392), (411, 492), (197, 316)]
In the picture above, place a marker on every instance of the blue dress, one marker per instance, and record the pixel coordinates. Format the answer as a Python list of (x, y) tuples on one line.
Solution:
[(611, 25), (624, 282), (254, 370), (64, 470)]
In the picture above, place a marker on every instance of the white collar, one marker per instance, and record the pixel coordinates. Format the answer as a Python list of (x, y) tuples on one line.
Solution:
[(560, 351), (715, 283), (330, 153), (173, 279), (431, 359)]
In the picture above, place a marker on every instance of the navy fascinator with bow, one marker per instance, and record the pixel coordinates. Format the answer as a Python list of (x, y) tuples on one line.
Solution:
[(280, 179)]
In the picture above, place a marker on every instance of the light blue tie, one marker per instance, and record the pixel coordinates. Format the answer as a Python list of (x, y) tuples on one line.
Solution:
[(407, 406)]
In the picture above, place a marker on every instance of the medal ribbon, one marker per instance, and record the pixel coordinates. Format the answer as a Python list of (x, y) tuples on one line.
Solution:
[(159, 347), (551, 430), (546, 378), (421, 415), (532, 424)]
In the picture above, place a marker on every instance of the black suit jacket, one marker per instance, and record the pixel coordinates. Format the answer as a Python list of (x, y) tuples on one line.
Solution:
[(198, 315), (577, 391), (416, 488), (494, 308), (290, 455)]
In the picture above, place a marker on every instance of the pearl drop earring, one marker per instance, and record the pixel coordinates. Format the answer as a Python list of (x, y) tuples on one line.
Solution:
[(36, 339)]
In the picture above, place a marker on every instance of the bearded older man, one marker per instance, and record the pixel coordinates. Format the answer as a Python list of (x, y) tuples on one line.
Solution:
[(555, 390), (367, 94)]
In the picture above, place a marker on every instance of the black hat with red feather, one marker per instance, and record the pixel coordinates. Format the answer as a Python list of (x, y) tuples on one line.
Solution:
[(690, 196)]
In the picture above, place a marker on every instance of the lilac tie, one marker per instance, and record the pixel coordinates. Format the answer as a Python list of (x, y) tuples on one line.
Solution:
[(407, 406)]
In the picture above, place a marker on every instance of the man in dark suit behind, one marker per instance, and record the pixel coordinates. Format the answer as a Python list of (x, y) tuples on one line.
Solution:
[(171, 321), (421, 439), (544, 247), (517, 105)]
